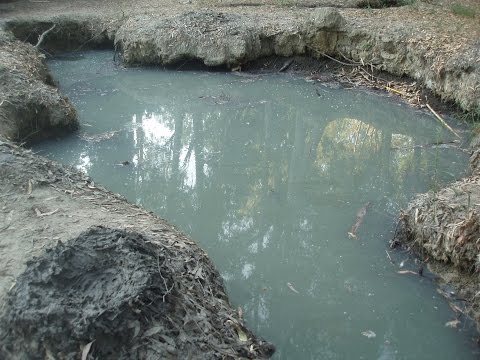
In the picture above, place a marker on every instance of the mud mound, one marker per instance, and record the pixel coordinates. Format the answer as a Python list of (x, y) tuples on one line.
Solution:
[(445, 224), (131, 296), (30, 106)]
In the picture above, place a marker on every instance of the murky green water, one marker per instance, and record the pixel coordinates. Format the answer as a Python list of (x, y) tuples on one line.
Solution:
[(267, 173)]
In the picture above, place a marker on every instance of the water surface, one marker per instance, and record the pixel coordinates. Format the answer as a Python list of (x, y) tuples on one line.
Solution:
[(267, 174)]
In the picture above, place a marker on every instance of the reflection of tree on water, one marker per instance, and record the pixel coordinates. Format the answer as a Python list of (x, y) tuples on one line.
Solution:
[(267, 196), (253, 171)]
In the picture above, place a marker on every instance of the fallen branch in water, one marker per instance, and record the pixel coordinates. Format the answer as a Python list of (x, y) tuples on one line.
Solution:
[(450, 144), (407, 272), (442, 121), (42, 37), (286, 65)]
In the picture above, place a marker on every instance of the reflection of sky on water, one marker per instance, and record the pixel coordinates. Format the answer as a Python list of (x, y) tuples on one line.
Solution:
[(158, 133), (154, 128), (268, 180), (84, 162)]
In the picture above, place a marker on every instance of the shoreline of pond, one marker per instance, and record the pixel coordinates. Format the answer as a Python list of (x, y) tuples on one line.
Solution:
[(28, 115)]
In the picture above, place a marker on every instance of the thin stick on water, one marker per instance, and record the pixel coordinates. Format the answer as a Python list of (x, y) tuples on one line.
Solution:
[(442, 121), (389, 258)]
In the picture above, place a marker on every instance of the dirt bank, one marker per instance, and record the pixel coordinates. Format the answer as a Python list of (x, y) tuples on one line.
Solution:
[(443, 227), (426, 41), (30, 106), (233, 40), (140, 289)]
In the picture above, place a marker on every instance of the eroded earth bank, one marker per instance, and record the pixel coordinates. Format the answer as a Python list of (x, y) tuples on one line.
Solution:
[(149, 291)]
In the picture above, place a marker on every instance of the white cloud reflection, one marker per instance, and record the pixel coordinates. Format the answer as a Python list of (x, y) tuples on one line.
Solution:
[(158, 129), (84, 162)]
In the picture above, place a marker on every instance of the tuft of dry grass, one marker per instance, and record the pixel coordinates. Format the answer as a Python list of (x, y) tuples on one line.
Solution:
[(462, 10)]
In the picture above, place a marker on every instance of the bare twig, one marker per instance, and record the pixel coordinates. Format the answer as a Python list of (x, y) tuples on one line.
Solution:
[(389, 257), (351, 61), (338, 61), (167, 290), (23, 141), (442, 121), (402, 272), (42, 37), (91, 39)]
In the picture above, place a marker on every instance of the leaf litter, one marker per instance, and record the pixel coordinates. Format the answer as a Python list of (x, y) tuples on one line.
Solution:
[(135, 297), (290, 286), (369, 334)]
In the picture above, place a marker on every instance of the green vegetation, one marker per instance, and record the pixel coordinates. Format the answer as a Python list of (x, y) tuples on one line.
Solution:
[(472, 117), (462, 10)]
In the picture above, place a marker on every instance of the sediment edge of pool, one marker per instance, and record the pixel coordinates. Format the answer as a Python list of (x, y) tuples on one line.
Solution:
[(32, 109)]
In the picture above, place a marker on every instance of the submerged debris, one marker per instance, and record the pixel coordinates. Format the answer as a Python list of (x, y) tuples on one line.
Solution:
[(123, 163), (95, 138), (369, 334), (290, 286), (360, 216)]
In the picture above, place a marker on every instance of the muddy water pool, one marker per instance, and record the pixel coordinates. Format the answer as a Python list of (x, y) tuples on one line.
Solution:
[(267, 173)]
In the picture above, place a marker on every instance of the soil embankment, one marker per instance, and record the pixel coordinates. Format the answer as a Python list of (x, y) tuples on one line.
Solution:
[(30, 106), (138, 289), (425, 41), (43, 202), (443, 227)]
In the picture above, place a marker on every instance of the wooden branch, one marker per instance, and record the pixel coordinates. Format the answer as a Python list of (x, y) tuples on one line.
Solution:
[(389, 257), (442, 121), (42, 37), (338, 61), (286, 65)]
